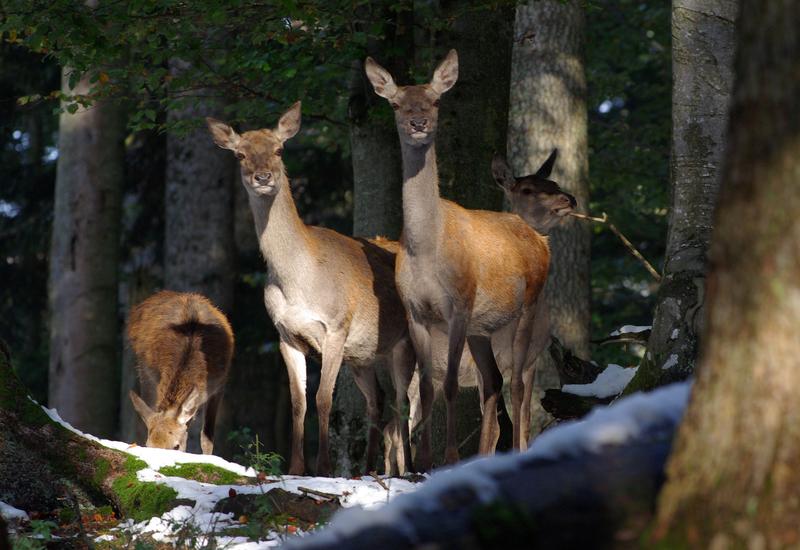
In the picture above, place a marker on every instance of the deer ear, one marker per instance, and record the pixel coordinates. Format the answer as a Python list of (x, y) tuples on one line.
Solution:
[(141, 407), (446, 74), (223, 135), (189, 407), (289, 123), (547, 167), (502, 173), (381, 80)]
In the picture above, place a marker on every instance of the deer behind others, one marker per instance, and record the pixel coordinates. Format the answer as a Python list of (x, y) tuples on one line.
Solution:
[(183, 346)]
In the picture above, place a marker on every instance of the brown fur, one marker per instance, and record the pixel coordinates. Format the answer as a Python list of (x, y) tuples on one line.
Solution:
[(473, 274), (326, 293), (184, 347)]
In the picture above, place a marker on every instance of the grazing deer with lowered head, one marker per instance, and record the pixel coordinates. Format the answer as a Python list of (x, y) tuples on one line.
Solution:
[(183, 346), (472, 274), (326, 293), (543, 205)]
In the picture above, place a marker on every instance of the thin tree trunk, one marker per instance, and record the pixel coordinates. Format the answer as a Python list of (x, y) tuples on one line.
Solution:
[(199, 198), (547, 111), (84, 254), (733, 474), (702, 68)]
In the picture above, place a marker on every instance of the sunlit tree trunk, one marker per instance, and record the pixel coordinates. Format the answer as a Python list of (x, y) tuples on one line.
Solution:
[(733, 476), (548, 110), (199, 198), (702, 69), (84, 253)]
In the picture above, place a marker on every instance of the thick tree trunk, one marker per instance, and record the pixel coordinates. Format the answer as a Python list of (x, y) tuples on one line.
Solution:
[(733, 474), (473, 116), (548, 110), (84, 255), (702, 68)]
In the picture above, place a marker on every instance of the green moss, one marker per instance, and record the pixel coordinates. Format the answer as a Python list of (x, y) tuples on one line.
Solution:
[(206, 473), (101, 471), (141, 500)]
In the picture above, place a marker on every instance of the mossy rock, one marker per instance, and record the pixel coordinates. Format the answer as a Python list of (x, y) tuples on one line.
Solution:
[(205, 473), (141, 500)]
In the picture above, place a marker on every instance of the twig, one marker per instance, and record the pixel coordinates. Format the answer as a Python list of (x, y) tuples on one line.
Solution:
[(374, 476), (636, 254), (329, 496)]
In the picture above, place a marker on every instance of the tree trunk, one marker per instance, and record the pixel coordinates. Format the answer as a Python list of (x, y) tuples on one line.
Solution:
[(199, 199), (84, 255), (733, 474), (548, 110), (702, 68), (473, 117), (44, 467)]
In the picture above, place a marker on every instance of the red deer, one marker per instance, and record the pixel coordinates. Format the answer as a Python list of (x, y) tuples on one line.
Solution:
[(472, 274), (543, 205), (326, 293), (183, 346)]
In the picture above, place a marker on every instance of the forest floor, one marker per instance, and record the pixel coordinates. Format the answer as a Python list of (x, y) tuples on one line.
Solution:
[(216, 504)]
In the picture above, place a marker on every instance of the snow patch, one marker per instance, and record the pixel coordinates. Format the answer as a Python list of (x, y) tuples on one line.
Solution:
[(674, 334), (10, 513), (671, 361), (630, 329), (608, 383)]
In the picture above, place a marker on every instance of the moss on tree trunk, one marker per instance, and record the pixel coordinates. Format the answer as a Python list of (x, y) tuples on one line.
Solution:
[(45, 467)]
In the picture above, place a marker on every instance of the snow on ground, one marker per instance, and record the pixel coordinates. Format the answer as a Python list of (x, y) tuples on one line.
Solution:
[(627, 420), (630, 329), (10, 513), (671, 361), (608, 383), (365, 492)]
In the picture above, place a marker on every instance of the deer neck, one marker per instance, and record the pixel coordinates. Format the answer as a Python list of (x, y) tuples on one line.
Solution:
[(282, 236), (422, 218)]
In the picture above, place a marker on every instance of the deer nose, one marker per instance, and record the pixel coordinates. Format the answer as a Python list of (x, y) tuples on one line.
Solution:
[(418, 124), (263, 177)]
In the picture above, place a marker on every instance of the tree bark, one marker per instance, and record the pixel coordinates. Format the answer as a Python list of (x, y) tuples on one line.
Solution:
[(733, 473), (702, 68), (199, 199), (83, 264), (548, 110)]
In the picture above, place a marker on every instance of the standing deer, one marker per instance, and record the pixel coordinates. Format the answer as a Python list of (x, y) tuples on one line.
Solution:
[(183, 347), (543, 205), (326, 293), (472, 274)]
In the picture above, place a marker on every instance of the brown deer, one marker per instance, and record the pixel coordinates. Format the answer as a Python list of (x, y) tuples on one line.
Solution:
[(183, 346), (543, 205), (472, 274), (326, 293)]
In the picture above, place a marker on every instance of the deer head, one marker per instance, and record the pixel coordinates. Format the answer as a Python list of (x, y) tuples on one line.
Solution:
[(167, 429), (416, 108), (259, 152), (534, 198)]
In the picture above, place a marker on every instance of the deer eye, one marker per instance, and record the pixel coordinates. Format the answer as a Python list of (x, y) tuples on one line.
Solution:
[(527, 191), (395, 106), (279, 152), (239, 155)]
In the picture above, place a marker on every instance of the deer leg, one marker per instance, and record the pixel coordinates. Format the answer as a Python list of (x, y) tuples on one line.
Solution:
[(402, 370), (491, 384), (528, 378), (457, 332), (296, 367), (367, 382), (209, 424), (522, 339), (332, 351), (421, 338)]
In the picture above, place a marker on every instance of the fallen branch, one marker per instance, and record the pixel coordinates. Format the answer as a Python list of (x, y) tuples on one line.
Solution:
[(322, 494), (374, 475), (636, 254)]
